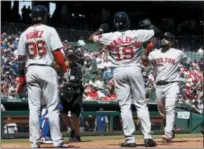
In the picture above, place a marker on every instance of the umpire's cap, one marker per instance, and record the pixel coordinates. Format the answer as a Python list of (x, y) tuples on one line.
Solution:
[(168, 36), (39, 14), (121, 21)]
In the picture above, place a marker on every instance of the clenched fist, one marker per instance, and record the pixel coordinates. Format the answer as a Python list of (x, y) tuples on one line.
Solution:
[(146, 23), (104, 28)]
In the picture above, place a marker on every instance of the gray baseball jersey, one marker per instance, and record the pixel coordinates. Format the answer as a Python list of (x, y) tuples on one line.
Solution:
[(37, 44), (167, 69), (125, 47), (167, 64), (125, 52)]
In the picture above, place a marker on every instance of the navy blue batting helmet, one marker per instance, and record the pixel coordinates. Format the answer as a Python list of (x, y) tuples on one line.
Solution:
[(121, 21), (39, 14), (168, 36)]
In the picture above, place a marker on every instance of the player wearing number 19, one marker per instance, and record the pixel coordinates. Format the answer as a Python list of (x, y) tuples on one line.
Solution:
[(39, 47), (124, 49)]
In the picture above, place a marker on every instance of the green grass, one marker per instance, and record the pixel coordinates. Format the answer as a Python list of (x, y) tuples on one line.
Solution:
[(90, 138)]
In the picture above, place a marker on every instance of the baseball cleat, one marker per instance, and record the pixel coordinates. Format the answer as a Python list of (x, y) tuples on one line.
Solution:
[(35, 145), (173, 134), (125, 144), (75, 139), (46, 140), (149, 143), (167, 139), (63, 145)]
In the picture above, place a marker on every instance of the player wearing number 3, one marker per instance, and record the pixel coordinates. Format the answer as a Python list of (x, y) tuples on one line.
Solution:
[(40, 46), (124, 49)]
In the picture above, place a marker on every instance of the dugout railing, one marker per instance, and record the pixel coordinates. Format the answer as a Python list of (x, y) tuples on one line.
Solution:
[(187, 121)]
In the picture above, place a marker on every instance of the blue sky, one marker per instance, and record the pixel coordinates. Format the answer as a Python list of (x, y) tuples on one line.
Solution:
[(29, 3)]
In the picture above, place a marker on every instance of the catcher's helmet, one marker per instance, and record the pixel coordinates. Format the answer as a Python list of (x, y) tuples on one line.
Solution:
[(39, 14), (121, 21), (168, 36)]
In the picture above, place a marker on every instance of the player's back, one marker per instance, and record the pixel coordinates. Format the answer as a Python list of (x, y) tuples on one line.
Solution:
[(125, 49), (125, 46), (39, 41)]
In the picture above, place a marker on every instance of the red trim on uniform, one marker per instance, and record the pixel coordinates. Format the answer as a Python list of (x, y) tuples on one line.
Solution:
[(21, 80), (59, 58), (99, 36)]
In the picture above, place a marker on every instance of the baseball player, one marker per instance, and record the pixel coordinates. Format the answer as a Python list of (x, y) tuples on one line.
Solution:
[(166, 61), (124, 49), (39, 47)]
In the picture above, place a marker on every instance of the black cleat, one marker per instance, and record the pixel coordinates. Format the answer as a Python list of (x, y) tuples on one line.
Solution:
[(72, 133), (173, 134), (149, 143), (125, 144), (75, 139), (202, 130)]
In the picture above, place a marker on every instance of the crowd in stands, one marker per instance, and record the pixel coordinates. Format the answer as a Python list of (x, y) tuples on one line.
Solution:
[(97, 75), (9, 69)]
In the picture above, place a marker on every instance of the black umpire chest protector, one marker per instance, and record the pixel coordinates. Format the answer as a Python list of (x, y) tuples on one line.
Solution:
[(73, 87)]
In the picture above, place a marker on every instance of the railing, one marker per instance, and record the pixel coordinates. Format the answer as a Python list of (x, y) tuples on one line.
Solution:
[(111, 110)]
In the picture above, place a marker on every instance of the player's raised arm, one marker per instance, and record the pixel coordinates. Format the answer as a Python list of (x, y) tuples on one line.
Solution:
[(149, 30), (98, 35), (56, 45)]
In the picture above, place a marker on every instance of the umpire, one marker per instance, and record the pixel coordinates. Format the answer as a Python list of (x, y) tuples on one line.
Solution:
[(71, 94)]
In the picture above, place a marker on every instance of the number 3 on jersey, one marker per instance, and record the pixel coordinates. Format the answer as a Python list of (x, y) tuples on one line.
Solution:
[(123, 53), (36, 48)]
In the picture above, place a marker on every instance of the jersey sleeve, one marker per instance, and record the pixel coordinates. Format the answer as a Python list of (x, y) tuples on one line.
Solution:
[(102, 38), (184, 58), (55, 42), (143, 35), (21, 46)]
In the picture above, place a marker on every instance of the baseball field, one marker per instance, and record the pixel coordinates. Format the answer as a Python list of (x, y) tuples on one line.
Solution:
[(181, 141)]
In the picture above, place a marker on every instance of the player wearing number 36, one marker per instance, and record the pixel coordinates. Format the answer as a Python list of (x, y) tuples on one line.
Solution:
[(39, 47), (125, 53)]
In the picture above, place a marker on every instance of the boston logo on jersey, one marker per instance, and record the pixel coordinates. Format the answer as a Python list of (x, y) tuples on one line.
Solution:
[(165, 60)]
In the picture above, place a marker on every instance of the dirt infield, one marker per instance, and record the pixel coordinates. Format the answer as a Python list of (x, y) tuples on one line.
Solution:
[(177, 143)]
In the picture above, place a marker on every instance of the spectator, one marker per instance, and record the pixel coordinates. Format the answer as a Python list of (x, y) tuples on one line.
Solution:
[(93, 94), (84, 124), (101, 124), (107, 74), (10, 127)]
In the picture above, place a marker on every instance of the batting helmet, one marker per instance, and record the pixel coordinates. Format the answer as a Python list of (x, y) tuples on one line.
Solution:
[(121, 21), (39, 14), (168, 36)]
